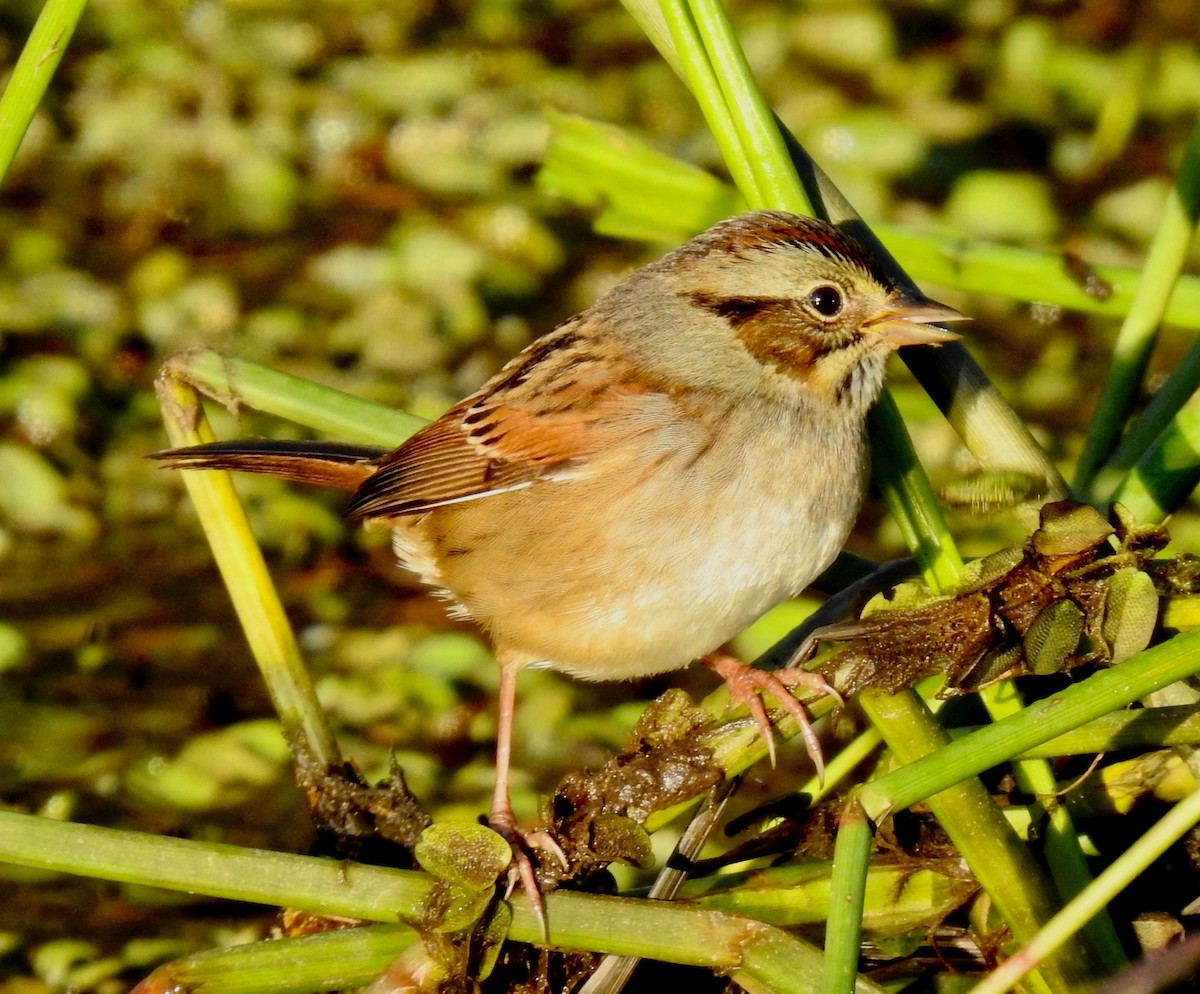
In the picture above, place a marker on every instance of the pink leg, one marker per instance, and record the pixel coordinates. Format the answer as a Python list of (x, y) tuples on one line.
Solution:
[(501, 818), (501, 811), (746, 683)]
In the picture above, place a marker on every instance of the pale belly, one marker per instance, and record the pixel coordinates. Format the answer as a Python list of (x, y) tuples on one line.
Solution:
[(617, 576)]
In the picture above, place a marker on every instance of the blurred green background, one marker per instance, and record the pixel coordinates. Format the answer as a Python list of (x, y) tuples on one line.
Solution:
[(346, 191)]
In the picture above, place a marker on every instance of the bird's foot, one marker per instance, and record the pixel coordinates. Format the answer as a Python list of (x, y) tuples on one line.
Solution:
[(746, 684), (521, 870)]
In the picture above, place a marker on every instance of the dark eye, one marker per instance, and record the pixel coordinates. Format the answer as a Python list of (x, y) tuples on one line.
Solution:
[(826, 301)]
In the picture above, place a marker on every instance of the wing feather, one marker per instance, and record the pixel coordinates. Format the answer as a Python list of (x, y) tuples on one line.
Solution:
[(545, 412)]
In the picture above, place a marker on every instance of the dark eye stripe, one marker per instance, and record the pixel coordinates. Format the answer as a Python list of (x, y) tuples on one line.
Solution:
[(736, 310)]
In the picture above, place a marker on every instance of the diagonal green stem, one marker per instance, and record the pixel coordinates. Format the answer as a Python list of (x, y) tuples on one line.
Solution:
[(1101, 693), (701, 78), (758, 134), (1122, 872), (1168, 400), (1167, 473), (234, 382), (1136, 338), (32, 73)]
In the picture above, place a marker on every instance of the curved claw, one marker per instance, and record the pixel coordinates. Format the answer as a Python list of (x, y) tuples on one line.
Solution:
[(746, 684), (521, 870)]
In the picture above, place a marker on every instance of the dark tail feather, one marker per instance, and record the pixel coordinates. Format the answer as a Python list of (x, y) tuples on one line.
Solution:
[(326, 464)]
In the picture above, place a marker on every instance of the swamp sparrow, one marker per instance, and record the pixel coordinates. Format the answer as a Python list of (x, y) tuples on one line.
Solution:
[(640, 484)]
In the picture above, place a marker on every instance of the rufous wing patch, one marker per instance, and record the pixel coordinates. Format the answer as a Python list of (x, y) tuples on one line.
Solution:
[(439, 465), (551, 407)]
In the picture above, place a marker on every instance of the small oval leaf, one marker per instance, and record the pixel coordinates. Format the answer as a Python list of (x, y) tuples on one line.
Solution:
[(1053, 636), (1130, 613)]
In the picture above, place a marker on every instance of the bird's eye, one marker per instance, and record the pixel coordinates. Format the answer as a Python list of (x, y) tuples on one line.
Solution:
[(826, 301)]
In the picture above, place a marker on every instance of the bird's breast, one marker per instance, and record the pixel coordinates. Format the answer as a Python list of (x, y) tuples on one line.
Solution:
[(655, 553)]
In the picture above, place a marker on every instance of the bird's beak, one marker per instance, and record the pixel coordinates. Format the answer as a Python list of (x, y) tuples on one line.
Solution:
[(914, 322)]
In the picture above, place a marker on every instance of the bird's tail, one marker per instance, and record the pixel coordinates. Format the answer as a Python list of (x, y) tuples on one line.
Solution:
[(327, 464)]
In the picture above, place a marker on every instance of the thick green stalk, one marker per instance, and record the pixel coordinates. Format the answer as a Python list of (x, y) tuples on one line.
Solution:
[(245, 574), (996, 856), (756, 956), (1064, 856), (758, 133), (1101, 693), (852, 858), (701, 78)]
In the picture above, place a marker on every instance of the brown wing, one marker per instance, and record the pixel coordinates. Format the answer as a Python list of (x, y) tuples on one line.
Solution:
[(546, 411)]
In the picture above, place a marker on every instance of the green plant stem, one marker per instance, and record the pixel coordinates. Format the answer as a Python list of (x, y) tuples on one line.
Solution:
[(1101, 693), (910, 497), (1168, 400), (245, 575), (852, 857), (326, 961), (327, 886), (32, 74), (996, 856), (1164, 262), (1167, 473), (1123, 871), (758, 133), (701, 78), (236, 382), (752, 954), (1144, 728), (1064, 855)]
